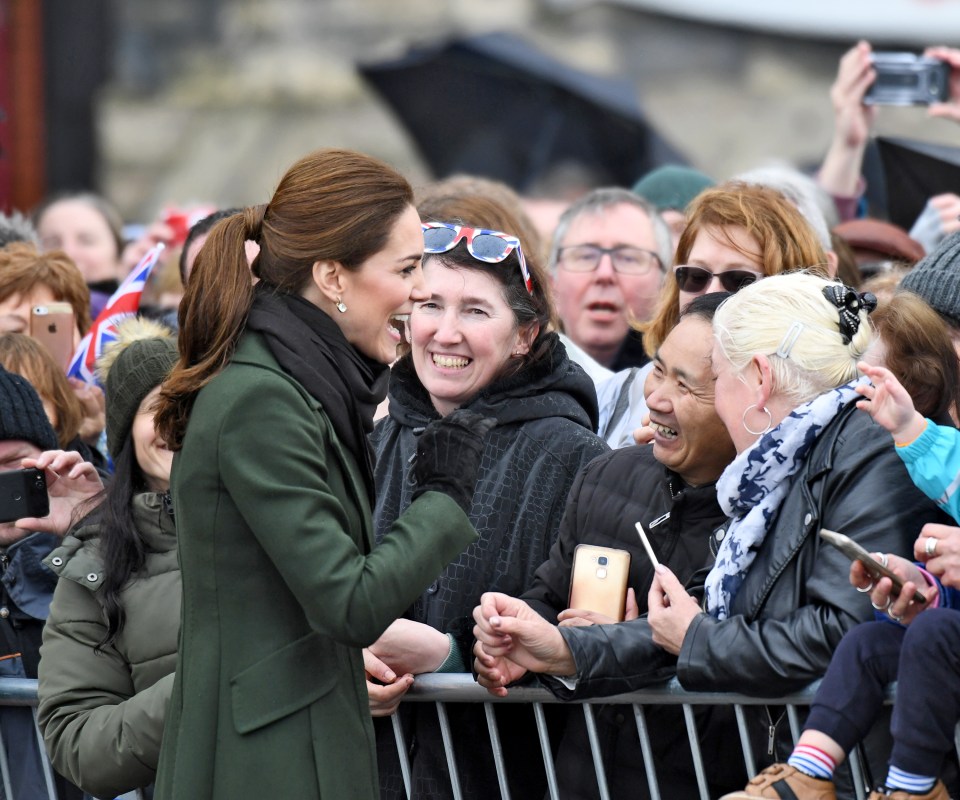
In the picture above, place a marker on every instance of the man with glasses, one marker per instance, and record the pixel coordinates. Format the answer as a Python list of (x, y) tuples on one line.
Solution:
[(607, 261)]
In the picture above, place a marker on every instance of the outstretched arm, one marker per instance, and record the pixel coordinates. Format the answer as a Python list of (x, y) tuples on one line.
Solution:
[(889, 404)]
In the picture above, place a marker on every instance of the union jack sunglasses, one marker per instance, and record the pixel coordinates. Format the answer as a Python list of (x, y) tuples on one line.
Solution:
[(491, 247)]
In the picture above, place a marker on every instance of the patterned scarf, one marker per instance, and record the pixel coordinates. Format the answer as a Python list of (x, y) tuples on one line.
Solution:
[(752, 487)]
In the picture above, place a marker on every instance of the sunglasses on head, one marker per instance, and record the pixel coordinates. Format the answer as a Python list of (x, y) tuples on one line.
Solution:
[(696, 279), (491, 247)]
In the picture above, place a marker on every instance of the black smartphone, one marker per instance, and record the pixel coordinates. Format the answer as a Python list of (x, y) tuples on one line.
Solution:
[(855, 552), (23, 493), (906, 79)]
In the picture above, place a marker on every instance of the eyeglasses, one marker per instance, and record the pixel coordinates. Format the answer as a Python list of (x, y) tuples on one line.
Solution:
[(491, 247), (696, 279), (625, 260)]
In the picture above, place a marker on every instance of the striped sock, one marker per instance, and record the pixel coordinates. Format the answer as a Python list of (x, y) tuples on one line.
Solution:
[(812, 761), (908, 781)]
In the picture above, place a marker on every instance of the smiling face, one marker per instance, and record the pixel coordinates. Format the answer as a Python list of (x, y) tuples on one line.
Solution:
[(596, 307), (385, 286), (722, 250), (151, 451), (463, 335), (689, 437), (82, 232)]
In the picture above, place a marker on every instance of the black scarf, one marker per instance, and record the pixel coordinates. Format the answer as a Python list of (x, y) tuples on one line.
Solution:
[(311, 348)]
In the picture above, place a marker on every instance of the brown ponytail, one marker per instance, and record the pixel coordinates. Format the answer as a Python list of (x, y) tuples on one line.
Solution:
[(214, 308), (335, 205)]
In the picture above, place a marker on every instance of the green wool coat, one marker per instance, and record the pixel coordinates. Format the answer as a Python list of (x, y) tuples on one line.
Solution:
[(282, 587)]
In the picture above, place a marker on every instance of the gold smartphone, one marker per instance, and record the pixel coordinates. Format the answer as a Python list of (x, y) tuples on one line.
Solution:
[(599, 580), (53, 326)]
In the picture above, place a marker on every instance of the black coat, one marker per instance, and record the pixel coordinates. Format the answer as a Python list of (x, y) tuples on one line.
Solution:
[(545, 416), (612, 493), (609, 496), (796, 601)]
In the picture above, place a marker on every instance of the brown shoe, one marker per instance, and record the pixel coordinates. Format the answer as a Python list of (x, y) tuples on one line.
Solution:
[(938, 792), (784, 782)]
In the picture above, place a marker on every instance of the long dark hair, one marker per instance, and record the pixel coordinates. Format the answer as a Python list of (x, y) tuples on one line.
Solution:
[(122, 548)]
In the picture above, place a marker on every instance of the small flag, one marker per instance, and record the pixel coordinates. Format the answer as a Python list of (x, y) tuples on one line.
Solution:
[(123, 303)]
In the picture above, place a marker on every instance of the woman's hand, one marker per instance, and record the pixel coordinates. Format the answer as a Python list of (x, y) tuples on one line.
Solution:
[(384, 689), (943, 557), (852, 120), (902, 608), (889, 404), (495, 673), (94, 407), (671, 610), (70, 481), (411, 647), (951, 108), (507, 628), (583, 616)]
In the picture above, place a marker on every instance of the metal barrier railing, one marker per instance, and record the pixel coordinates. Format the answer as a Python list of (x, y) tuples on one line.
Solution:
[(441, 689), (22, 692)]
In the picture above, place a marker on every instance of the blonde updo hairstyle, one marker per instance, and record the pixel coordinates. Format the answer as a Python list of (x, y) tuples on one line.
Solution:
[(761, 317)]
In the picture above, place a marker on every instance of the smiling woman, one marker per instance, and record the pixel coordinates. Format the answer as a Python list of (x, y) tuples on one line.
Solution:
[(273, 485), (480, 341)]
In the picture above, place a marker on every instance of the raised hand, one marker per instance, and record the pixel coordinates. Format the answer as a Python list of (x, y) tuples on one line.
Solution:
[(70, 482), (671, 610), (889, 404)]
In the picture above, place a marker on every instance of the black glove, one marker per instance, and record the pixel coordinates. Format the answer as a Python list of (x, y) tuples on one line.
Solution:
[(448, 455)]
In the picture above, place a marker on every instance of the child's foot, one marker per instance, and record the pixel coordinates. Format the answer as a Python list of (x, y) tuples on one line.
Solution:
[(783, 781), (938, 792)]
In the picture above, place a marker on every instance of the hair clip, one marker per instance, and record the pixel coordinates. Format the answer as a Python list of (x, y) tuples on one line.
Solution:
[(790, 339), (849, 304)]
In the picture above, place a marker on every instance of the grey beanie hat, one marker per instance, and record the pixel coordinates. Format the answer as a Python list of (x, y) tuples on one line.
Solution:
[(936, 278), (21, 413), (130, 368)]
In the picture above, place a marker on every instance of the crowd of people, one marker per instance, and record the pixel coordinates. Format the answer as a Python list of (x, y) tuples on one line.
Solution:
[(360, 433)]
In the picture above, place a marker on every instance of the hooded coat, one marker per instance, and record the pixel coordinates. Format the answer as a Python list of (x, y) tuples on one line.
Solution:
[(546, 417)]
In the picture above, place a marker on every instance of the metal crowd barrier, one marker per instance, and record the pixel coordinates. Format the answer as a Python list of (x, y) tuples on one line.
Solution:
[(22, 692), (441, 689)]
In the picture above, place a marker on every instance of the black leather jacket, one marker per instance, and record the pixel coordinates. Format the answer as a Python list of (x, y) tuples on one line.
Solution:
[(796, 601)]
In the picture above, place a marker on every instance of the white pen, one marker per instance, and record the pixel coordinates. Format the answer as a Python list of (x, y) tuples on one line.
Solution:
[(646, 546)]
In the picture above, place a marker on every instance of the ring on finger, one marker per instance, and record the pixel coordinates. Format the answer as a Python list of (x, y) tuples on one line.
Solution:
[(884, 559), (930, 546), (865, 589), (880, 608), (894, 617)]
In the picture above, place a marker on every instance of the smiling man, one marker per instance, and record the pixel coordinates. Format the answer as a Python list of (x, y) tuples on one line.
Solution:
[(607, 262), (670, 489)]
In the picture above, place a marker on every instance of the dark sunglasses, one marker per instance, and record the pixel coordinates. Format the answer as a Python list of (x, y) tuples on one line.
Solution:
[(696, 279), (491, 247)]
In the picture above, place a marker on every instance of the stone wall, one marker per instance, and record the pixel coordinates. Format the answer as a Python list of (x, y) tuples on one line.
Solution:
[(212, 101)]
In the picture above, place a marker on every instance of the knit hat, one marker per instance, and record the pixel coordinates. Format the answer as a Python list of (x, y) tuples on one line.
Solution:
[(672, 186), (21, 413), (936, 278), (130, 368)]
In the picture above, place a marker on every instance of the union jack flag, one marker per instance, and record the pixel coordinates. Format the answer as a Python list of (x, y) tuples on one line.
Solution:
[(123, 303)]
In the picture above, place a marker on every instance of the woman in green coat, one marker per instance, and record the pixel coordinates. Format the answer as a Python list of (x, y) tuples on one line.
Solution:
[(268, 410)]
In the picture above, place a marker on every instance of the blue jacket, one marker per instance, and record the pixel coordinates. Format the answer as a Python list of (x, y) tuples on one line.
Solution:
[(933, 461)]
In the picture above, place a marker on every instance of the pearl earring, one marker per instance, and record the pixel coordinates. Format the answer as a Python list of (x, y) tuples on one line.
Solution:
[(340, 306)]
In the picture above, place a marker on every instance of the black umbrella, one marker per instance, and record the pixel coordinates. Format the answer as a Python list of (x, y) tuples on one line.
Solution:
[(914, 172), (495, 106)]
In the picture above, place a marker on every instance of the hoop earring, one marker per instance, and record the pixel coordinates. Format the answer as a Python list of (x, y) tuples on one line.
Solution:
[(743, 420), (340, 306)]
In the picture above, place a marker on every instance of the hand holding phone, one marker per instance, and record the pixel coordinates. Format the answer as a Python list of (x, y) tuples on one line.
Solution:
[(599, 580), (855, 552)]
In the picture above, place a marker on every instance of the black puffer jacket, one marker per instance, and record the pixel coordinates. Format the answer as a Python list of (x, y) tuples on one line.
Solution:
[(612, 493), (796, 601), (545, 416), (609, 496)]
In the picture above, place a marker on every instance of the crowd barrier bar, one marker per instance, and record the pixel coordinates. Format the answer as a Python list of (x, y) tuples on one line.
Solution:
[(441, 689)]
